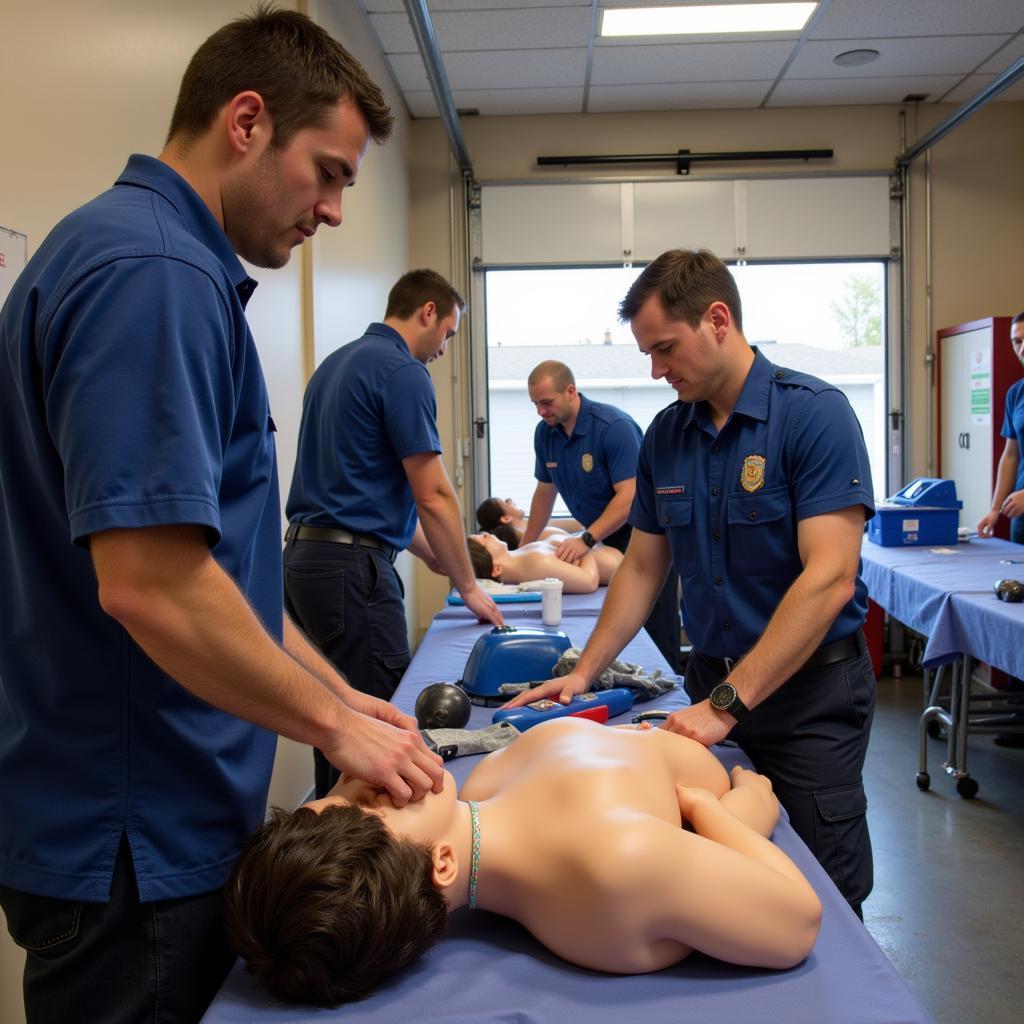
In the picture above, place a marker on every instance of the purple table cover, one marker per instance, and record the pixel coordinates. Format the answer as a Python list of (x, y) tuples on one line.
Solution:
[(946, 594), (489, 970)]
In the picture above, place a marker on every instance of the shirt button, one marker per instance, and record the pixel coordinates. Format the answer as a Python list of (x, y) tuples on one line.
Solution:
[(714, 536), (778, 374), (752, 516), (714, 492), (727, 626), (718, 581), (715, 447), (668, 519)]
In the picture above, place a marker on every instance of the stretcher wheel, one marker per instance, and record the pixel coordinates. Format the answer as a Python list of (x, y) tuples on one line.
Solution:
[(933, 728), (966, 787), (923, 780)]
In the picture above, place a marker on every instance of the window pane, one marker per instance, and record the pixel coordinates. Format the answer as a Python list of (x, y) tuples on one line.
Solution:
[(826, 319)]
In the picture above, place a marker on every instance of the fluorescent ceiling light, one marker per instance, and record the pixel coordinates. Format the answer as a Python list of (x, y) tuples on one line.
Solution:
[(713, 19)]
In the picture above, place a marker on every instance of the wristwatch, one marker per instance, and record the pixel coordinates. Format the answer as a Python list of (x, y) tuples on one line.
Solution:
[(588, 538), (725, 698)]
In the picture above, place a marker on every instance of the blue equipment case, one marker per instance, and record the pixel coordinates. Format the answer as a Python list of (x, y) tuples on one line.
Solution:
[(510, 654), (926, 511)]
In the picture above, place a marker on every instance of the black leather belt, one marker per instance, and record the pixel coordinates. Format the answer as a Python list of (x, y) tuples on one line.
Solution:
[(336, 535), (846, 647)]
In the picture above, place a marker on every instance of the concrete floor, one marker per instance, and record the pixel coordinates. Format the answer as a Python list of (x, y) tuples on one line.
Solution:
[(948, 902)]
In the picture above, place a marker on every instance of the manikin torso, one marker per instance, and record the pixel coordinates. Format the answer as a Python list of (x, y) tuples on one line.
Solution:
[(538, 559), (573, 838)]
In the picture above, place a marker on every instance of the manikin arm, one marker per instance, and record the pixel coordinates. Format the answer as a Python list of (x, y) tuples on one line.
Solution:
[(731, 893)]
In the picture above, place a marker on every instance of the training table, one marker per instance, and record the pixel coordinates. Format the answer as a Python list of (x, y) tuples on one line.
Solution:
[(945, 593), (490, 970)]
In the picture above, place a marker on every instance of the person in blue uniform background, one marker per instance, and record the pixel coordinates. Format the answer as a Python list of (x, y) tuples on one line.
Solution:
[(369, 482), (145, 662), (756, 485), (587, 452)]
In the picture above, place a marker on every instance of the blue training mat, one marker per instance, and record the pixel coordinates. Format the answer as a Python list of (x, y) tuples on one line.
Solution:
[(520, 596)]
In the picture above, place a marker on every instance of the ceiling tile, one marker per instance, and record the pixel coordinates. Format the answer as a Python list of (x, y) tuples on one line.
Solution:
[(930, 55), (973, 84), (694, 96), (1005, 57), (513, 28), (688, 62), (853, 19), (521, 101), (394, 32), (810, 92)]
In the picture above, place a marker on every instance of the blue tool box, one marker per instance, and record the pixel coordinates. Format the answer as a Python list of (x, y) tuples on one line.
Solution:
[(926, 511)]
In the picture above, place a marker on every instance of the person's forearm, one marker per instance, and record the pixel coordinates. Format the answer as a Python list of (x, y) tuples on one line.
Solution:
[(1006, 477), (420, 546), (542, 503), (442, 523), (631, 595), (201, 631), (299, 647), (798, 626), (613, 517)]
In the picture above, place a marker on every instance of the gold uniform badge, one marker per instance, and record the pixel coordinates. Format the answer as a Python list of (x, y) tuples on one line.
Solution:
[(587, 462), (752, 476)]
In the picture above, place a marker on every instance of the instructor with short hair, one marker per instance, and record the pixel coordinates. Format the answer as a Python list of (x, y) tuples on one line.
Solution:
[(368, 467), (587, 452)]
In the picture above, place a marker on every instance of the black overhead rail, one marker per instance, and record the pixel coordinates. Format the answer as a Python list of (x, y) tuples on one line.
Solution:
[(683, 158)]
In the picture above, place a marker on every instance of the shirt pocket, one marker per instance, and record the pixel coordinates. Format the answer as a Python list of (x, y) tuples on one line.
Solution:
[(675, 516), (762, 535)]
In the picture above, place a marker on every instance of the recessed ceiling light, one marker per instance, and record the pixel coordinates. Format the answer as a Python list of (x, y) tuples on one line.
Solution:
[(855, 58), (714, 19)]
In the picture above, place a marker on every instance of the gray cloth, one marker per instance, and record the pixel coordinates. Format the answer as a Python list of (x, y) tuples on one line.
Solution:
[(451, 743), (645, 685)]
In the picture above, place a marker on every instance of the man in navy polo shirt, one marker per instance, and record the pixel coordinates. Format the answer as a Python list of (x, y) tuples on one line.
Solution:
[(587, 452), (145, 662), (756, 485), (369, 482)]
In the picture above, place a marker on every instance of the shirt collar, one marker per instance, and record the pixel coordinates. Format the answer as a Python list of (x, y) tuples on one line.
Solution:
[(579, 428), (752, 401), (147, 172)]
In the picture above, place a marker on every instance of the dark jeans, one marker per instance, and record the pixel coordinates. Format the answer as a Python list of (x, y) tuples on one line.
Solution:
[(664, 624), (349, 601), (810, 738), (122, 962)]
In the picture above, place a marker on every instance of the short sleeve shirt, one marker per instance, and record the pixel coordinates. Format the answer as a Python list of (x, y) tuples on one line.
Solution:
[(730, 501), (601, 451), (1013, 425), (131, 395), (369, 405)]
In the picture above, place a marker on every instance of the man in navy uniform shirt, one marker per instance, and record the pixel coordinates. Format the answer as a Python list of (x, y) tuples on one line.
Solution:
[(756, 485), (145, 661), (587, 452), (369, 482)]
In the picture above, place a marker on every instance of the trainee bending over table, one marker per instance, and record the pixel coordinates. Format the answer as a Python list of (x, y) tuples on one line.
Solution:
[(493, 559), (329, 900)]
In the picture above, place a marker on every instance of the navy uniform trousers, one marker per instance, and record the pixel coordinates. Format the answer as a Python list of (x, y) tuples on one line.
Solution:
[(350, 603), (810, 738)]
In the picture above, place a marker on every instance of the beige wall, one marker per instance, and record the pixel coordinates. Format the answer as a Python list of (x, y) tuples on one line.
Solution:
[(976, 209)]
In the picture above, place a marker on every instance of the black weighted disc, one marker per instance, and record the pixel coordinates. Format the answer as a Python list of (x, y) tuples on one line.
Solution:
[(442, 706)]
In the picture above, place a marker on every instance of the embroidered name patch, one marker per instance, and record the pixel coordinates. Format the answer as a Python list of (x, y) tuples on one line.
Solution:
[(551, 465), (677, 489)]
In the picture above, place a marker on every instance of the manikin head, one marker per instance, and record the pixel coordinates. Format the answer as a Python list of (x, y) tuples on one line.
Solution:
[(492, 512), (425, 309), (272, 121), (685, 313), (488, 555), (552, 389), (328, 901)]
